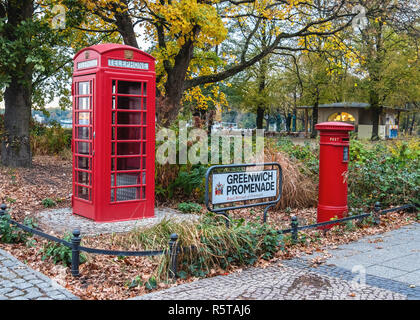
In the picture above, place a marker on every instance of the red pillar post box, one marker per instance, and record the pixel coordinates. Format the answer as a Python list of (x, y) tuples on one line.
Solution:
[(333, 163), (113, 133)]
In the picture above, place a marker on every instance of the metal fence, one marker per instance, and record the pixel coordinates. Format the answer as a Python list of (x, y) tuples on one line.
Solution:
[(376, 215), (76, 248), (173, 249)]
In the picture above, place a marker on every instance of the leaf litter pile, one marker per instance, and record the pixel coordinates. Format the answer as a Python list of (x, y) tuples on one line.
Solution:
[(107, 277)]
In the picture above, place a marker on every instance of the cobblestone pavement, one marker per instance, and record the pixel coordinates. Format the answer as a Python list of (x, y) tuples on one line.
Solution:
[(19, 282), (388, 264), (63, 220), (394, 256)]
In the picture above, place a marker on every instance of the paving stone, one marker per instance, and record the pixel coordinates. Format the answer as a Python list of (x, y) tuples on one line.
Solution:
[(382, 271), (410, 278), (15, 293), (19, 282), (408, 263), (63, 220)]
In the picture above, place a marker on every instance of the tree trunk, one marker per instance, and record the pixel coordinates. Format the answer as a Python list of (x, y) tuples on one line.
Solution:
[(260, 117), (314, 132), (15, 143), (412, 124), (376, 111)]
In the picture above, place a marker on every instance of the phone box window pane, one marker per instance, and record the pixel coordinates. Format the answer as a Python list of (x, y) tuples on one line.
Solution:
[(128, 163), (129, 103), (83, 163), (124, 194), (83, 192), (124, 148), (144, 104), (83, 118), (83, 147), (84, 103), (126, 87), (129, 118), (84, 88), (128, 133), (83, 178), (83, 133), (127, 179)]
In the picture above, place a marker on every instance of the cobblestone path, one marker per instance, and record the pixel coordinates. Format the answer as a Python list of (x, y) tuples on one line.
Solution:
[(383, 267), (19, 282)]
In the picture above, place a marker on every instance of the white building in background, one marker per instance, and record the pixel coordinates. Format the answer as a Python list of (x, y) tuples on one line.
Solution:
[(39, 118)]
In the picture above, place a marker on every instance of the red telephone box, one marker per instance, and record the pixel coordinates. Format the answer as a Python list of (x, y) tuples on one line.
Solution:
[(113, 133), (333, 164)]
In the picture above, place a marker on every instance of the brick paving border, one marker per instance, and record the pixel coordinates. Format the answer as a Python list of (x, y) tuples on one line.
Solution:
[(20, 282)]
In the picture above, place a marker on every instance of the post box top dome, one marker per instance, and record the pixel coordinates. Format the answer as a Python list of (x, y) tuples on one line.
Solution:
[(334, 126), (106, 47)]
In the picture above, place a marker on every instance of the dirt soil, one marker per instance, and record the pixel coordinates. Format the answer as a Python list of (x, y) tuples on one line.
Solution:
[(106, 277)]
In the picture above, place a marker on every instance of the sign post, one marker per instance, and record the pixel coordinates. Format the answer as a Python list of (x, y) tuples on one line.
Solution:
[(229, 188)]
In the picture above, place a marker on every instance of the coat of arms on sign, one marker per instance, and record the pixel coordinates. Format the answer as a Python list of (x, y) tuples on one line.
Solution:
[(219, 189)]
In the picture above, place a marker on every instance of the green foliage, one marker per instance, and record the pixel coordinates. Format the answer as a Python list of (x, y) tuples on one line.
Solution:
[(50, 140), (189, 207), (216, 246), (135, 282), (9, 233), (151, 283), (189, 179), (60, 253), (306, 154), (390, 175), (48, 203), (388, 172)]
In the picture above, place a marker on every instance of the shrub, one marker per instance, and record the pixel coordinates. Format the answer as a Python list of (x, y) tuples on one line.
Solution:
[(51, 140), (390, 174), (189, 207), (216, 246), (299, 185), (9, 233), (48, 203), (60, 253)]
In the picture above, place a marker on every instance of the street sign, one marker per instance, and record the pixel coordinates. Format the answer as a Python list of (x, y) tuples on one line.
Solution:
[(242, 189), (239, 186)]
